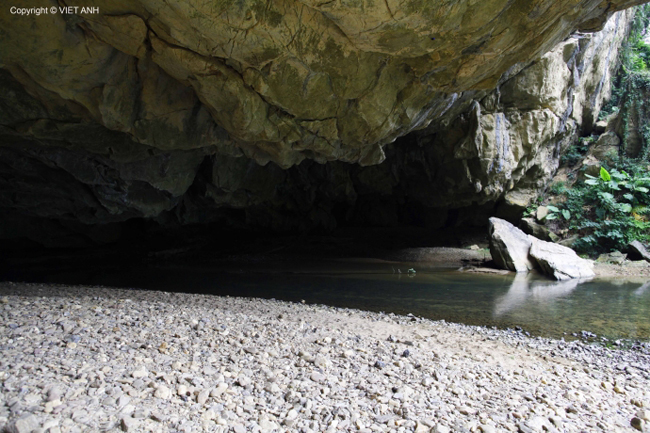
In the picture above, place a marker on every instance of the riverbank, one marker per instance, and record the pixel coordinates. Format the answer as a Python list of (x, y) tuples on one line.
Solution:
[(626, 269), (101, 359), (480, 258)]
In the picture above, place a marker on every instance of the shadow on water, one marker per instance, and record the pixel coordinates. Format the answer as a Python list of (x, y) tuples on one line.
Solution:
[(610, 308)]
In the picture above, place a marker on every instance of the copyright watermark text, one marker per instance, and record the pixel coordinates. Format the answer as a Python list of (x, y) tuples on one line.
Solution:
[(53, 10)]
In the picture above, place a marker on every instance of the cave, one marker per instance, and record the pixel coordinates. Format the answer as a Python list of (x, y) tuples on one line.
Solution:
[(135, 133), (285, 215), (120, 134)]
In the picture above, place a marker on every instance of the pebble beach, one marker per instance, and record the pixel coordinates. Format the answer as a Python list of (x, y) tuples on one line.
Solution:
[(86, 359)]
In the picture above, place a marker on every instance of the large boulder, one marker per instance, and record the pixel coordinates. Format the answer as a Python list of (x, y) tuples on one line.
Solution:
[(614, 258), (509, 246), (530, 227), (606, 148), (560, 262), (512, 249), (638, 251)]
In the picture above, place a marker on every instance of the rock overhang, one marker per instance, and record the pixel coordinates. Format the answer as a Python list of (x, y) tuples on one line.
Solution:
[(123, 115), (289, 79)]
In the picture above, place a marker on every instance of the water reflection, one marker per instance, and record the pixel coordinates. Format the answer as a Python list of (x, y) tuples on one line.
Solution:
[(615, 308), (642, 289), (525, 289)]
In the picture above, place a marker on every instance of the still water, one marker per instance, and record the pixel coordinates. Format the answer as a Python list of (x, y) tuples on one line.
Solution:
[(614, 308)]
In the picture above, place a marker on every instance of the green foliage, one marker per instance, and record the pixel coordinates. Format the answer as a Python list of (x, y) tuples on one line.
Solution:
[(638, 57), (558, 188), (604, 175), (635, 55), (634, 60), (608, 211), (633, 110), (554, 213), (576, 152), (530, 211), (636, 167), (632, 83)]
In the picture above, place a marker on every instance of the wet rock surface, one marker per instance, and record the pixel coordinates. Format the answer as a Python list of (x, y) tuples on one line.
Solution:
[(638, 268), (100, 359)]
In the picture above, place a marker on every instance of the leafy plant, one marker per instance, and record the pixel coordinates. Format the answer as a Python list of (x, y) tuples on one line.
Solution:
[(555, 212), (530, 211), (609, 211), (576, 152), (634, 59), (558, 188)]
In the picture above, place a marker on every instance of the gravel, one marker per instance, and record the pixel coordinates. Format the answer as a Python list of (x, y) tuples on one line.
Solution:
[(78, 359)]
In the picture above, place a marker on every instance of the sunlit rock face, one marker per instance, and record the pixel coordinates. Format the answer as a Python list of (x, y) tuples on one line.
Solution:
[(287, 79), (287, 112), (508, 144)]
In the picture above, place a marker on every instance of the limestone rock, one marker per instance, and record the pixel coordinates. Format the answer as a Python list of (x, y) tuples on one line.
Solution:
[(163, 392), (590, 166), (606, 148), (638, 424), (541, 213), (23, 424), (615, 257), (512, 249), (530, 227), (509, 246), (638, 250), (189, 113), (629, 122), (560, 262), (600, 127), (309, 79), (609, 138), (569, 242)]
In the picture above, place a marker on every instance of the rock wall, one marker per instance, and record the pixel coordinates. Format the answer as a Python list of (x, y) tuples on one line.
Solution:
[(288, 79), (167, 111), (515, 135)]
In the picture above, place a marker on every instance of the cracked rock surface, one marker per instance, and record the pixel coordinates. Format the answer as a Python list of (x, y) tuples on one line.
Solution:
[(191, 113), (289, 79)]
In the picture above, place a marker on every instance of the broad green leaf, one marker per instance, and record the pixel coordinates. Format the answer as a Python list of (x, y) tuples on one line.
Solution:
[(566, 214), (591, 181), (625, 207), (604, 174), (552, 208)]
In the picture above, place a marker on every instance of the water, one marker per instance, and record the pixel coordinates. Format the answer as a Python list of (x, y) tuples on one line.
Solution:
[(611, 308)]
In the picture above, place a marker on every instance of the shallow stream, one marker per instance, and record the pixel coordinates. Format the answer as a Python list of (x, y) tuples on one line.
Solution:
[(611, 308)]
